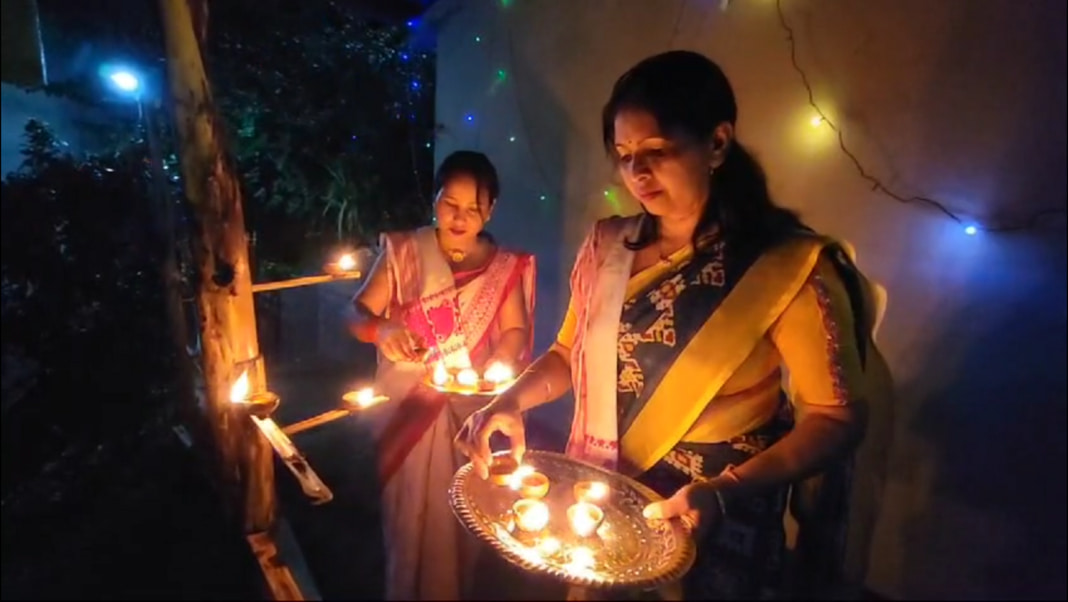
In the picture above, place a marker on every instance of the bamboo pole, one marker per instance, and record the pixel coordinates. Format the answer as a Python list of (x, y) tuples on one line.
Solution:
[(224, 296), (316, 421)]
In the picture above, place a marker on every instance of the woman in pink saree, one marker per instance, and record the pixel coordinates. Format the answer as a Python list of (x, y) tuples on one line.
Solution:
[(445, 293)]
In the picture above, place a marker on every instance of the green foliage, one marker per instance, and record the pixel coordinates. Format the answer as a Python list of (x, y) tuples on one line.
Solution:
[(330, 136), (81, 295), (330, 114)]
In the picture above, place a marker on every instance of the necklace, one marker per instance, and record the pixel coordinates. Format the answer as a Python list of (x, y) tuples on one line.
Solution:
[(665, 258), (454, 255)]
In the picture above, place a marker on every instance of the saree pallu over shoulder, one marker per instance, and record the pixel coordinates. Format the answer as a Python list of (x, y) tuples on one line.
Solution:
[(717, 347), (456, 318), (758, 293)]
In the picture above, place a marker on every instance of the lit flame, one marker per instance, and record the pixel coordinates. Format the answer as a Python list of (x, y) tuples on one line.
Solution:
[(365, 397), (816, 121), (515, 480), (531, 515), (585, 518), (467, 377), (596, 491), (441, 375), (346, 262), (498, 373), (239, 390)]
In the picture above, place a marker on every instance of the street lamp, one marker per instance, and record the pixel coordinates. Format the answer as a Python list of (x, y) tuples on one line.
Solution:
[(125, 81)]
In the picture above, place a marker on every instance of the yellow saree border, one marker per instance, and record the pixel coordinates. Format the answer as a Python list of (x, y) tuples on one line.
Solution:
[(718, 349)]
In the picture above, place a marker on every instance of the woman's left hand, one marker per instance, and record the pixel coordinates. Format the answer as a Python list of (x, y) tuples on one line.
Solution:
[(696, 505)]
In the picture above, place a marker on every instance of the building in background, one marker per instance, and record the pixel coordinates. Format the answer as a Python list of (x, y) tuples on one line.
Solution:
[(24, 97), (23, 61)]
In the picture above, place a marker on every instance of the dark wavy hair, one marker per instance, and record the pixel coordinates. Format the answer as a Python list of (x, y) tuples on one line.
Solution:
[(689, 96), (473, 164)]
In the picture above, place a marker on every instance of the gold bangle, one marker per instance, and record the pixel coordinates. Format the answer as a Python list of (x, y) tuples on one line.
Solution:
[(730, 474)]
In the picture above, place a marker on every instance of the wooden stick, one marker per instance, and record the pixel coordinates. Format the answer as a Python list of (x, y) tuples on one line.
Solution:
[(316, 421), (279, 578), (277, 285)]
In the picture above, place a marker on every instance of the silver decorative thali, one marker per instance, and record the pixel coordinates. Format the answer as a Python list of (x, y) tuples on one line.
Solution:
[(626, 552)]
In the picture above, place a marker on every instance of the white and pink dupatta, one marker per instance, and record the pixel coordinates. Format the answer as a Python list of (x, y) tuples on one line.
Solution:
[(598, 287)]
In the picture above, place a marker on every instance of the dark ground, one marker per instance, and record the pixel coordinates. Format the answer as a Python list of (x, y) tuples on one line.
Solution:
[(342, 540), (140, 519), (141, 522)]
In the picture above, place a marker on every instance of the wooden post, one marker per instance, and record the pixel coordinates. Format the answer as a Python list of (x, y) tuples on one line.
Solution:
[(227, 313), (224, 296)]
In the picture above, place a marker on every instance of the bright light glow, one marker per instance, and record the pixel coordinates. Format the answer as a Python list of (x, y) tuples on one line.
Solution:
[(441, 375), (498, 373), (531, 515), (239, 390), (581, 559), (971, 230), (365, 397), (816, 121), (585, 518), (549, 546), (125, 81), (346, 262), (515, 480), (467, 378), (591, 491)]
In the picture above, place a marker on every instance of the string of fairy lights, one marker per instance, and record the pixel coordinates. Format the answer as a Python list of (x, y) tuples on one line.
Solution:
[(821, 118)]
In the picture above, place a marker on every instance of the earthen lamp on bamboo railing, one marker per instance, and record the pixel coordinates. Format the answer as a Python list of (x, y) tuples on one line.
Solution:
[(364, 398), (352, 401), (342, 268), (344, 264), (259, 407)]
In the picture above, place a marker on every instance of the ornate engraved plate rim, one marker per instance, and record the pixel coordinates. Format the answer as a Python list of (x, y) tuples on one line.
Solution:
[(679, 559)]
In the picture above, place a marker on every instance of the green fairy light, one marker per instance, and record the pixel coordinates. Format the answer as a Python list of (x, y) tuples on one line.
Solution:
[(612, 197)]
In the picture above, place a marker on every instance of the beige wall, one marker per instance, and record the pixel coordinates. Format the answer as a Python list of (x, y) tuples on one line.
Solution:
[(962, 100)]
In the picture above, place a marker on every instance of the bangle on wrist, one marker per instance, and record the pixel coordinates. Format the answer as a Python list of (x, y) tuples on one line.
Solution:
[(721, 502), (729, 474)]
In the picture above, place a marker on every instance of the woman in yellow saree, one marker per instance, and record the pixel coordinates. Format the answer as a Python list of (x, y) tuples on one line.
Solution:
[(686, 324)]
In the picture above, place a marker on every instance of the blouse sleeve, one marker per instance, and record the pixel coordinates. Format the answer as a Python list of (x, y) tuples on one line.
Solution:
[(565, 337), (585, 262), (816, 339)]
